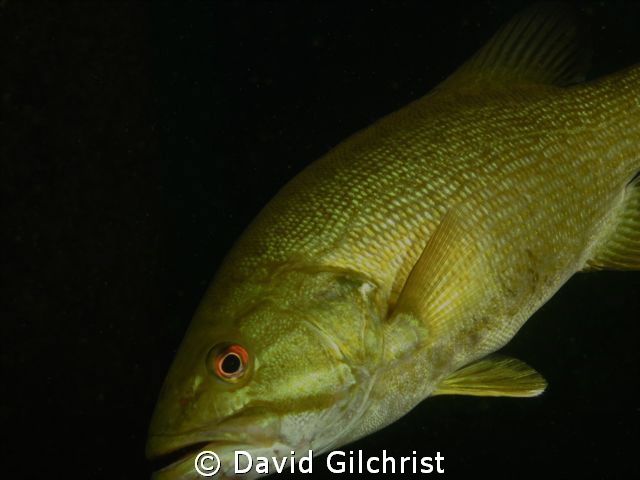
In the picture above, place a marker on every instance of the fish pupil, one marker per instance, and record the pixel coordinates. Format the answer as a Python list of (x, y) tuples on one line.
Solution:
[(231, 364)]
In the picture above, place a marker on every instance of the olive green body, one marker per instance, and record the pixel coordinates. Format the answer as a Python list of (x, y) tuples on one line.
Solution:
[(486, 194), (538, 171)]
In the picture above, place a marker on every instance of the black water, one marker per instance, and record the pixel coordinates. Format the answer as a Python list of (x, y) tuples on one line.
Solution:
[(138, 140)]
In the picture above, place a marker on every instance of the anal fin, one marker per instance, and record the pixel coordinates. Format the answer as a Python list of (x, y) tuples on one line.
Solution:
[(620, 249)]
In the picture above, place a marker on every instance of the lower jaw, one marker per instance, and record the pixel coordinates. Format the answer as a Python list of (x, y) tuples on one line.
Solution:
[(168, 460)]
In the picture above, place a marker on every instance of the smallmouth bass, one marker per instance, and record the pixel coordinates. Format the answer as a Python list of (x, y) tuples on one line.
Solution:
[(392, 268)]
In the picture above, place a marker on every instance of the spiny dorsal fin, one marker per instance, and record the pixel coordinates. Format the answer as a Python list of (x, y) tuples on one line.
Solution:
[(494, 376), (544, 44), (620, 249)]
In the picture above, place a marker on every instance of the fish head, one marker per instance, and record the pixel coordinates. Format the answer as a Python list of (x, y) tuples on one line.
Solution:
[(291, 373)]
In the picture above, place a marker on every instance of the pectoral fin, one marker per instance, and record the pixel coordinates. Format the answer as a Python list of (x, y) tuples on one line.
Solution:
[(444, 280), (495, 376), (619, 248)]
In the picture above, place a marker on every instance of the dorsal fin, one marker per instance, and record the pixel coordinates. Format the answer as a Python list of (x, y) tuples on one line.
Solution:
[(544, 44)]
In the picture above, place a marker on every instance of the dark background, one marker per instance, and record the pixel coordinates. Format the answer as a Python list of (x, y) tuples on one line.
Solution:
[(137, 140)]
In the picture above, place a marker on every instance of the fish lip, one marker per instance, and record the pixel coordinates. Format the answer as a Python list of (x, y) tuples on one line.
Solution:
[(178, 453), (162, 461), (163, 444), (179, 447)]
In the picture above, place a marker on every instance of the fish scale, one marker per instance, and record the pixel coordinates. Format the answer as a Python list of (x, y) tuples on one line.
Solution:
[(414, 189)]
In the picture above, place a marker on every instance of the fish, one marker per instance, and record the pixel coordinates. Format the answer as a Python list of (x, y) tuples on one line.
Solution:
[(393, 268)]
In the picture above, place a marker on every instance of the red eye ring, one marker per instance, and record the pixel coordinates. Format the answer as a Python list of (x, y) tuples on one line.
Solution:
[(230, 362)]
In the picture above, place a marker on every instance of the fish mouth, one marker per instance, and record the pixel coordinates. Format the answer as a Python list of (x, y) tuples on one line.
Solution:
[(168, 459), (173, 456), (173, 459)]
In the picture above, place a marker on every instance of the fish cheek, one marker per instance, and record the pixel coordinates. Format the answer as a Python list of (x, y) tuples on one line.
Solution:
[(297, 372)]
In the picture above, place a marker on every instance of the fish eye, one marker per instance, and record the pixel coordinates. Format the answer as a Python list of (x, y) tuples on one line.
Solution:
[(228, 361)]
